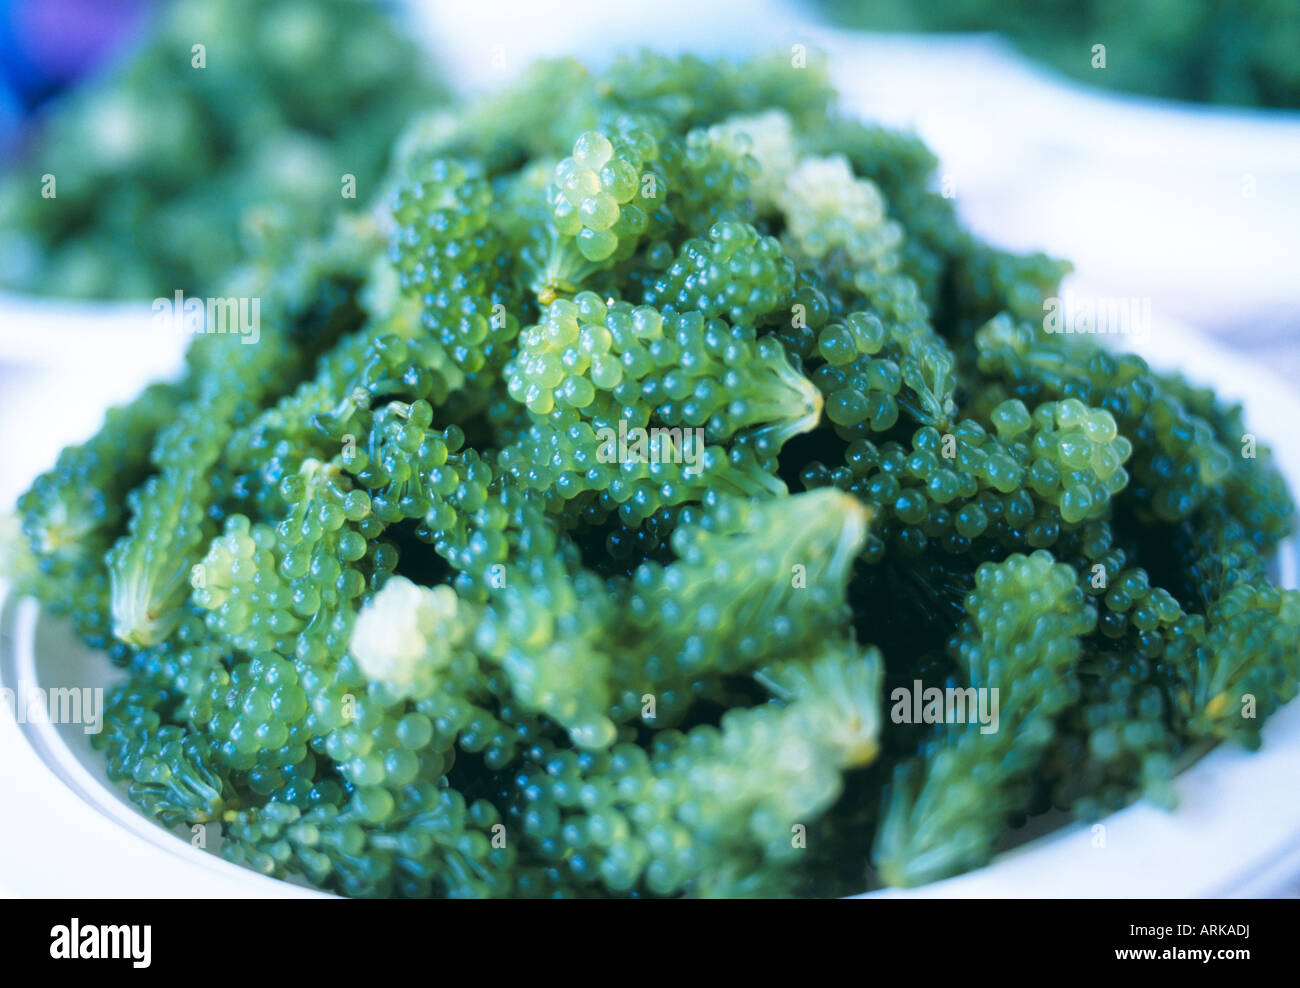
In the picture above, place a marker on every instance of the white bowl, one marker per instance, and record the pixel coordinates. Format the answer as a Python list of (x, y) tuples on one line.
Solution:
[(64, 830)]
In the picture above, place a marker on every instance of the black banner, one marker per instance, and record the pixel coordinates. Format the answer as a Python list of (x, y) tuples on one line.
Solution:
[(141, 938)]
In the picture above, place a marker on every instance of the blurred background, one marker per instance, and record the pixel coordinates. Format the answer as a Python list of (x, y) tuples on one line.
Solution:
[(1156, 145)]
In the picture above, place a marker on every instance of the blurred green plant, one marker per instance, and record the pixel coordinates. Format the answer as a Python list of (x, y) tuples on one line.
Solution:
[(231, 113), (1238, 52)]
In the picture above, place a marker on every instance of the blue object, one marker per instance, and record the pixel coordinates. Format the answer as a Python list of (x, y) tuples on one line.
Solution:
[(46, 45)]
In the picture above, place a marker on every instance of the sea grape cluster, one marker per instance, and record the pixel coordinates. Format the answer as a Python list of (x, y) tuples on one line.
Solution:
[(580, 512)]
